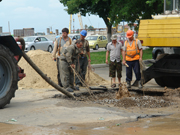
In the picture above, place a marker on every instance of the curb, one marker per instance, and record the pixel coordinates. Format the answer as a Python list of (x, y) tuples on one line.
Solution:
[(107, 65), (100, 65)]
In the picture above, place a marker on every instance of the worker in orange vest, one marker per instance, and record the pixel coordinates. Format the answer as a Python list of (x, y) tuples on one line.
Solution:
[(132, 54)]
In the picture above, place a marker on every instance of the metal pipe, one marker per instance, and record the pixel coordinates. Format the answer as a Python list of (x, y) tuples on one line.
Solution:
[(48, 80)]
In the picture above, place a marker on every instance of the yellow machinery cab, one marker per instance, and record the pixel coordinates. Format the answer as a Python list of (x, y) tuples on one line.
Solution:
[(163, 31)]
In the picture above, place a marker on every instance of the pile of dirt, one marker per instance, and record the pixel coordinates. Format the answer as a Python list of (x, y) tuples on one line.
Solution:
[(44, 61), (172, 92), (94, 79)]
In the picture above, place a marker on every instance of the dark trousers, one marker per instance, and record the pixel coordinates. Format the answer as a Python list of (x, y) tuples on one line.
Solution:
[(136, 67), (81, 67), (58, 75)]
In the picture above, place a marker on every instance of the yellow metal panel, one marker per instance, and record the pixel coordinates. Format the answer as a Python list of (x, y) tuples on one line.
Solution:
[(162, 32)]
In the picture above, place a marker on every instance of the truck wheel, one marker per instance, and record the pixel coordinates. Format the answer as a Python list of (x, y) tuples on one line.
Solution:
[(172, 81), (160, 81), (8, 76)]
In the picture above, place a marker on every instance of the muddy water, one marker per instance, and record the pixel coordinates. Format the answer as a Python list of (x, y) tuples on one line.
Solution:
[(11, 129), (158, 126)]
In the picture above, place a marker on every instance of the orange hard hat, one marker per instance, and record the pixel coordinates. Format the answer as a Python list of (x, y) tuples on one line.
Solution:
[(129, 33)]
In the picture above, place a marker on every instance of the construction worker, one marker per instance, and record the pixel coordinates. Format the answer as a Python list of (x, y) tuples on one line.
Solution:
[(59, 45), (132, 54), (68, 59), (82, 62), (115, 49)]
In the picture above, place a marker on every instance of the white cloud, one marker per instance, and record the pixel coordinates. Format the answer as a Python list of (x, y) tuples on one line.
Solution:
[(55, 4)]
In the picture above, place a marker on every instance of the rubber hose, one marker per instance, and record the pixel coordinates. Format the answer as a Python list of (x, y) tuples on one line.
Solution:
[(48, 80)]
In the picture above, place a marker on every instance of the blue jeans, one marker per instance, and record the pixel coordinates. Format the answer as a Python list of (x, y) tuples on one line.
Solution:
[(136, 67)]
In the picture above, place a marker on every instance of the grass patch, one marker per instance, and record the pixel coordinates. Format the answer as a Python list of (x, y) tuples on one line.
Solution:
[(147, 54), (100, 57)]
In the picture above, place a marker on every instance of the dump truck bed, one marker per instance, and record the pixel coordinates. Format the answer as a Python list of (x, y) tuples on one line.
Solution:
[(160, 32)]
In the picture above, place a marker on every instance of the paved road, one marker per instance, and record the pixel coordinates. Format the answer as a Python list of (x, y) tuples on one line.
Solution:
[(37, 108), (103, 49)]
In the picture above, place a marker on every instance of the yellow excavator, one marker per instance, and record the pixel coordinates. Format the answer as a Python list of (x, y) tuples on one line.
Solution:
[(163, 31)]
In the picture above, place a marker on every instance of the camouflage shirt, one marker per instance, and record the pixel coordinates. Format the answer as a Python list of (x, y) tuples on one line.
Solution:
[(85, 47), (70, 54)]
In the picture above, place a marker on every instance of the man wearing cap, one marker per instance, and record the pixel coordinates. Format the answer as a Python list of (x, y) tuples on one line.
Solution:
[(59, 45), (82, 62), (68, 60), (132, 54), (115, 49)]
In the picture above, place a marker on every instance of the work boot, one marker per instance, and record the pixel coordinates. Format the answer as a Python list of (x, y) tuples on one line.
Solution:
[(70, 89), (128, 84), (76, 87), (139, 85)]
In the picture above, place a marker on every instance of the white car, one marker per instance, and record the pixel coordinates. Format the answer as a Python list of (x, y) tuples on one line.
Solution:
[(38, 42)]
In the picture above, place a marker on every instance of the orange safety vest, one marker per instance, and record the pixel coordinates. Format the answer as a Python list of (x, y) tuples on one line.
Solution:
[(132, 52)]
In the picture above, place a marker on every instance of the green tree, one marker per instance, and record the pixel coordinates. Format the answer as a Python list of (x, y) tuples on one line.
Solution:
[(77, 31), (102, 8), (134, 10), (91, 28), (114, 11), (85, 26)]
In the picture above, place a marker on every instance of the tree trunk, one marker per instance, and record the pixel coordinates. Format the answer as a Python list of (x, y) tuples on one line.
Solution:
[(109, 28), (109, 32)]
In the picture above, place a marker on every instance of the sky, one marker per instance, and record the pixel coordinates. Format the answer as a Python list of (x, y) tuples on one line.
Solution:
[(40, 14)]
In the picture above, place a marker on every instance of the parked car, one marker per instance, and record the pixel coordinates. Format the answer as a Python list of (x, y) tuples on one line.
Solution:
[(164, 50), (97, 41), (38, 42), (74, 36), (157, 51)]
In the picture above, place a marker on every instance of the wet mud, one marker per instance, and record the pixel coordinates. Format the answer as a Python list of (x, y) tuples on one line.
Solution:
[(132, 100), (160, 126)]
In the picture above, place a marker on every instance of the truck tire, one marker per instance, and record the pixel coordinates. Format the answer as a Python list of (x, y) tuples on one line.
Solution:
[(172, 81), (8, 76), (160, 81)]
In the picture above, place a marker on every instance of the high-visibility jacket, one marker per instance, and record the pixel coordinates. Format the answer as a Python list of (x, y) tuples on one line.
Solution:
[(132, 52)]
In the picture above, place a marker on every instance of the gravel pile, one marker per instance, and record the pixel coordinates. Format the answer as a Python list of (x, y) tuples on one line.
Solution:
[(138, 101)]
